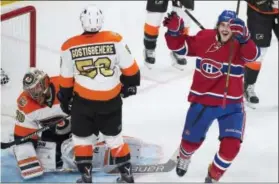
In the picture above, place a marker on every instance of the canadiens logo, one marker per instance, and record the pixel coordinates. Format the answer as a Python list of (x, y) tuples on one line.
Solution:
[(210, 68)]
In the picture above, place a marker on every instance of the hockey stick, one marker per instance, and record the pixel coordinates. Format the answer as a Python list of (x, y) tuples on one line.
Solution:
[(29, 136), (237, 7), (228, 73), (193, 18), (151, 168), (136, 169), (230, 61)]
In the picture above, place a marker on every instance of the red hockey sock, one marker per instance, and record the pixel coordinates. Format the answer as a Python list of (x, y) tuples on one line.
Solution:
[(229, 148), (187, 149)]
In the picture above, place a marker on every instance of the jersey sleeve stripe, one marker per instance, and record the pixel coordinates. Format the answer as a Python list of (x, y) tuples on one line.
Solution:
[(66, 82), (130, 71), (97, 95), (23, 131)]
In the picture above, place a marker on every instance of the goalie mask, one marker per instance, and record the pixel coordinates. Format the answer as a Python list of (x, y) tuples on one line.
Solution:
[(36, 83)]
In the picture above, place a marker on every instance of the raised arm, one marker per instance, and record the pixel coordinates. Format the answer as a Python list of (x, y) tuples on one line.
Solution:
[(249, 52), (176, 41)]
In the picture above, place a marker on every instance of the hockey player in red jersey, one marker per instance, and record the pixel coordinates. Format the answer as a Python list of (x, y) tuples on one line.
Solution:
[(221, 54)]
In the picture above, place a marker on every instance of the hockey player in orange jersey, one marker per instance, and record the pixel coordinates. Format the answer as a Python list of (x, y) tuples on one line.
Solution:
[(53, 149), (97, 68), (155, 11), (38, 106)]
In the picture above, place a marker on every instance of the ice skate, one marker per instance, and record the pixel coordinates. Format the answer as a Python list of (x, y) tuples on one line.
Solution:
[(208, 179), (126, 174), (84, 179), (182, 166), (250, 96), (149, 58), (178, 61)]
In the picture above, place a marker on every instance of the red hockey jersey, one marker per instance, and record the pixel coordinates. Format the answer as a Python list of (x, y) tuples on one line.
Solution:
[(212, 65)]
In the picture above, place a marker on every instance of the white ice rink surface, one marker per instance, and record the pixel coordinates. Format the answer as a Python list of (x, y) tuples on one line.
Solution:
[(158, 112)]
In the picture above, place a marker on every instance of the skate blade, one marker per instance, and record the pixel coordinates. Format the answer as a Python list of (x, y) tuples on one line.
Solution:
[(250, 105), (178, 66), (148, 65)]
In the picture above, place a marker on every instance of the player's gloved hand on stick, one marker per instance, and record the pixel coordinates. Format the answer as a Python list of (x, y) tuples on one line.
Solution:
[(174, 23), (127, 91), (239, 30), (65, 102)]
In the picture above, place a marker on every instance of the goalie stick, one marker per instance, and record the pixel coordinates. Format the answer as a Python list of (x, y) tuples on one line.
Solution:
[(5, 145), (136, 169), (152, 168)]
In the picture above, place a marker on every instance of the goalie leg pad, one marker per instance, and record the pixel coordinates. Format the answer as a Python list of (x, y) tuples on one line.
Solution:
[(27, 160), (46, 152)]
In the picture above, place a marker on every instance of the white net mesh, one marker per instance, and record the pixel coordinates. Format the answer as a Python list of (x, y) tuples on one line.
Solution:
[(15, 57)]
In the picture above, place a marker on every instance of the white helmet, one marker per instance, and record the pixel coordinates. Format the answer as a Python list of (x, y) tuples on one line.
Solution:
[(92, 19)]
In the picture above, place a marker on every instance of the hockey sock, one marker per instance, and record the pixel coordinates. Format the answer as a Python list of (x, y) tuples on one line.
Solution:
[(83, 158), (187, 149), (120, 154), (150, 36), (252, 70), (229, 148)]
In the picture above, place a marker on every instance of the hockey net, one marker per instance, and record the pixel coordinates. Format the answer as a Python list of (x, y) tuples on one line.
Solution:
[(18, 52)]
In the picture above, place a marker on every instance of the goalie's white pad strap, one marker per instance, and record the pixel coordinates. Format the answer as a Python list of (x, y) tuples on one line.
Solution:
[(46, 152), (27, 161)]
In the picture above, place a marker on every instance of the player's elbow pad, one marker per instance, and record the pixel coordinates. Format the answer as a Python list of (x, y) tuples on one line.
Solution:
[(133, 80)]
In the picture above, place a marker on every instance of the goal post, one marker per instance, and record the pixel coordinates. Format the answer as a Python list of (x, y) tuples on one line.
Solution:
[(32, 23), (18, 51)]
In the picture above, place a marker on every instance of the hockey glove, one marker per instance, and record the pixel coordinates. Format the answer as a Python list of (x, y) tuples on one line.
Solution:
[(65, 102), (128, 91), (174, 23), (239, 30)]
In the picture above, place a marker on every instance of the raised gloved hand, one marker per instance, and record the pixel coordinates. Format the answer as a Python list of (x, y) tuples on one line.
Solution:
[(174, 23), (239, 30), (127, 91)]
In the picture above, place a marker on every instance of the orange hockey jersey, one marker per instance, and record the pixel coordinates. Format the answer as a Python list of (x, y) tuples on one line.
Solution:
[(92, 65), (30, 112)]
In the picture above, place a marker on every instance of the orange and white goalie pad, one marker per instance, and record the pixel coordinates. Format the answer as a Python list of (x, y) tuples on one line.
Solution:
[(27, 160)]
